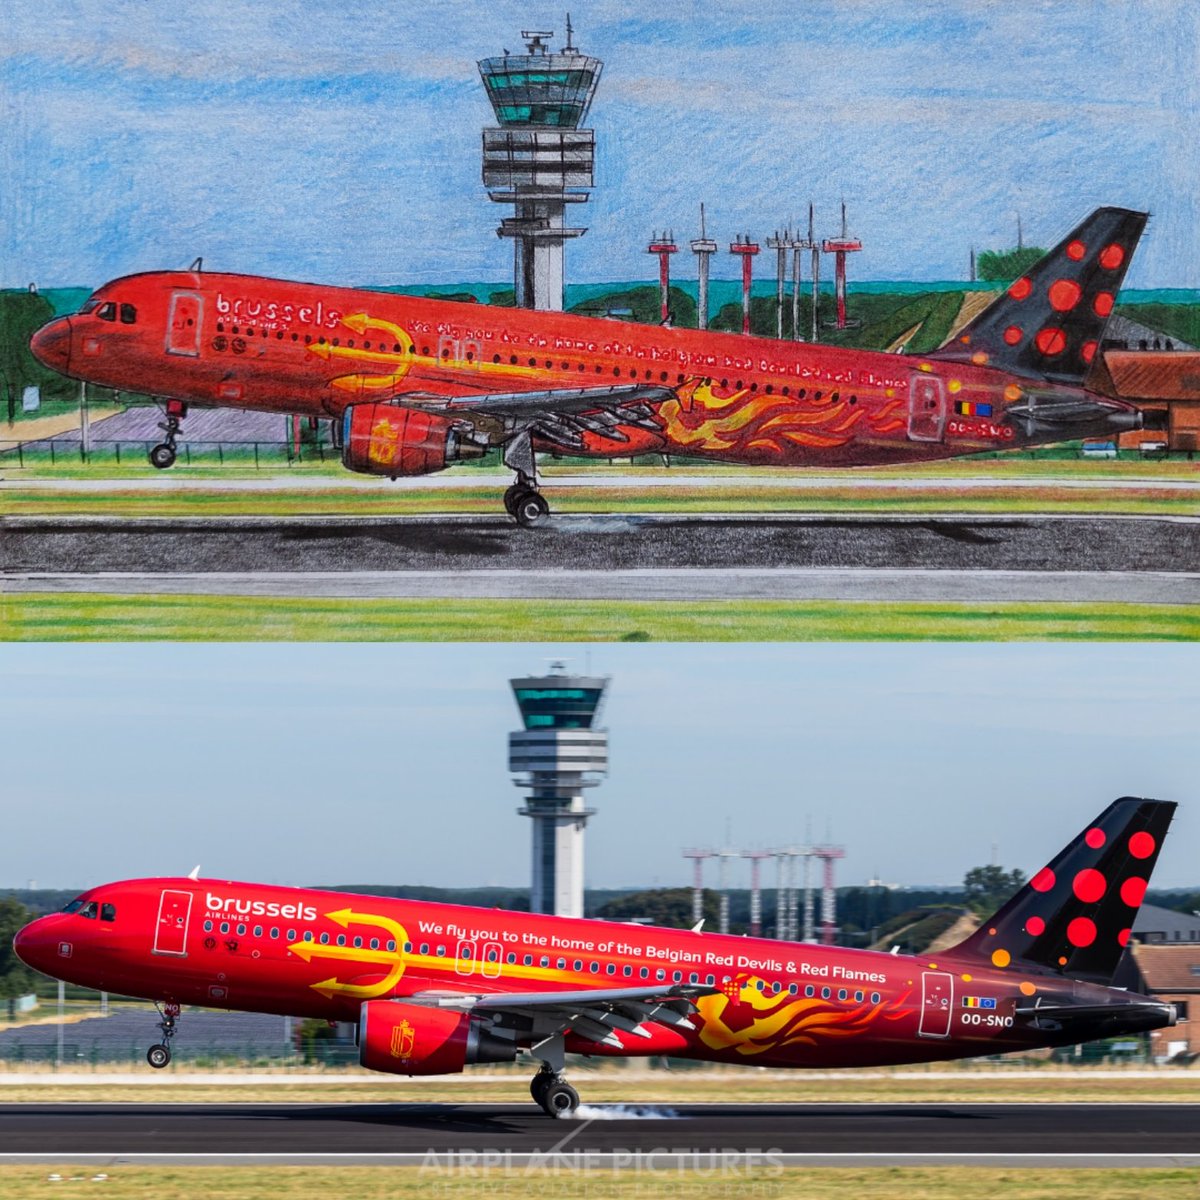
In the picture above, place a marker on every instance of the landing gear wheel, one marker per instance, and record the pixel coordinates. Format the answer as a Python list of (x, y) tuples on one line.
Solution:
[(530, 509), (538, 1085), (162, 456), (158, 1056), (511, 497), (559, 1098)]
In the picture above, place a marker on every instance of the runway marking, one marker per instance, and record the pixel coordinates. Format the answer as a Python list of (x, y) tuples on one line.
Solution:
[(645, 583)]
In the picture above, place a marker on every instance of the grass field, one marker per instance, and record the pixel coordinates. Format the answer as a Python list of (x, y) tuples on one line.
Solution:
[(399, 1183), (65, 616)]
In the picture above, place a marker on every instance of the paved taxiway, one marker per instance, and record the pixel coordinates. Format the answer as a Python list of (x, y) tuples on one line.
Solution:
[(446, 1133), (1088, 559)]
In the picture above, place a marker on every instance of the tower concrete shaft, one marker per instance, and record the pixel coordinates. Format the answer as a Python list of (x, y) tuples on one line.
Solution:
[(538, 159), (780, 243), (697, 882), (704, 248), (556, 756)]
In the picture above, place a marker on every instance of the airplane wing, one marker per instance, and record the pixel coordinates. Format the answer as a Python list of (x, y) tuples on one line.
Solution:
[(564, 415), (595, 1015)]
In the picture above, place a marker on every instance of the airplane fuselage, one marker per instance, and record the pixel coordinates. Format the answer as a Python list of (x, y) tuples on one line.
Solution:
[(325, 954), (270, 345)]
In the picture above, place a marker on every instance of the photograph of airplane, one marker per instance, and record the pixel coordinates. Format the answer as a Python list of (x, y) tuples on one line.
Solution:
[(434, 988), (413, 385)]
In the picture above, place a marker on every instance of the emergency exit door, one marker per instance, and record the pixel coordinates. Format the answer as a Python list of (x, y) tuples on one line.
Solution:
[(170, 934), (926, 408), (937, 1004), (183, 324)]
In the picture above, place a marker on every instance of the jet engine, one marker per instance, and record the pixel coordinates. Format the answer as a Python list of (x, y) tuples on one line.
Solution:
[(410, 1039), (390, 439)]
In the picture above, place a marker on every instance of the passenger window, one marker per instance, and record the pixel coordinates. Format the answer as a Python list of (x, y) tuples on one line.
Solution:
[(128, 314), (108, 912), (258, 931), (107, 312)]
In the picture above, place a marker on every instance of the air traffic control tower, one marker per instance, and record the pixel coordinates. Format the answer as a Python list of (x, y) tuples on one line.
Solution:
[(538, 158), (558, 754)]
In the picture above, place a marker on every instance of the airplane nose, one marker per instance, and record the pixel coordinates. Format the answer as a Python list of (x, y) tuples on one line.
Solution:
[(51, 345), (35, 946)]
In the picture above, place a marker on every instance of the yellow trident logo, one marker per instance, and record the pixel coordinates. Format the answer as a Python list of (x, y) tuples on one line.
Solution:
[(393, 959)]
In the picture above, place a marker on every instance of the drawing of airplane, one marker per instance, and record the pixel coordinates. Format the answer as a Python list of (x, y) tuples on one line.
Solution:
[(436, 987), (414, 385)]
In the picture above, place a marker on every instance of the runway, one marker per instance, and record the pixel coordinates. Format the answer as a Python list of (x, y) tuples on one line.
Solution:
[(603, 1135), (1089, 559)]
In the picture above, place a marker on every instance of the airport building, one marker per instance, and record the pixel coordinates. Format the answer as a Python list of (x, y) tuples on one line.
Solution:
[(538, 157), (557, 754)]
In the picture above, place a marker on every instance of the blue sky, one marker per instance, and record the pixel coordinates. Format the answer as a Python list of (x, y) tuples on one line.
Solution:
[(388, 763), (340, 141)]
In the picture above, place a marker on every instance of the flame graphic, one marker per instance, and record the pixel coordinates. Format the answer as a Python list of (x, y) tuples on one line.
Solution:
[(705, 417), (760, 1022)]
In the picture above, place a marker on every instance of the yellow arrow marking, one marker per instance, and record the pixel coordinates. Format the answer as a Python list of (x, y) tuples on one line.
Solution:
[(345, 917)]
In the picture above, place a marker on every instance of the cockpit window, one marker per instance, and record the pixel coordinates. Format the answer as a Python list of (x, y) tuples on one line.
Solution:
[(107, 312), (74, 906), (89, 910), (128, 314), (108, 912), (89, 306)]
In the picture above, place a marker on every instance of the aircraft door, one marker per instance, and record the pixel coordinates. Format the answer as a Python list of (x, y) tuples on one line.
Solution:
[(491, 960), (183, 324), (926, 408), (170, 932), (937, 1004)]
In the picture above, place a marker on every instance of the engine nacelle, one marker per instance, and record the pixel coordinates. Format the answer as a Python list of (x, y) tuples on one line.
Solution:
[(410, 1039), (390, 439)]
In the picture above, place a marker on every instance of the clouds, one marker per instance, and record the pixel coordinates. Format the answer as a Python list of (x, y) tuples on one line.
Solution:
[(325, 141)]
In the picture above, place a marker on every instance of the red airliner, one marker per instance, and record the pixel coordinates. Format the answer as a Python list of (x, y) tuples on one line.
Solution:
[(434, 987), (414, 385)]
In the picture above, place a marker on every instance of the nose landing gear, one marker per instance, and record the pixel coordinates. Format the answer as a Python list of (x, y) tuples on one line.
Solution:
[(162, 456), (160, 1055)]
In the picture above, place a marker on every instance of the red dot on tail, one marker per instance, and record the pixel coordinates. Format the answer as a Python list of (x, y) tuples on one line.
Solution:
[(1020, 288), (1051, 341), (1112, 256), (1087, 351), (1123, 937), (1043, 881), (1102, 305), (1081, 932), (1089, 885), (1035, 925), (1095, 838), (1133, 891), (1141, 845), (1064, 295), (1076, 250), (1012, 335)]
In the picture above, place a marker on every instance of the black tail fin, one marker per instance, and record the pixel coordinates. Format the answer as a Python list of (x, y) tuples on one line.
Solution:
[(1074, 916), (1050, 322)]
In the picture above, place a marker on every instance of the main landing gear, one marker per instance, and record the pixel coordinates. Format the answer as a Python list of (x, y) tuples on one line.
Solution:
[(523, 501), (160, 1055), (162, 456), (556, 1096)]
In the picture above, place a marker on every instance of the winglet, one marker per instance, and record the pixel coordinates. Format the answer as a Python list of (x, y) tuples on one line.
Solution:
[(699, 925), (194, 873)]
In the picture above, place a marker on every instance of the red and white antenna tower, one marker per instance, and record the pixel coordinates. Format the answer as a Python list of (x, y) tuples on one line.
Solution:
[(747, 249), (664, 246)]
